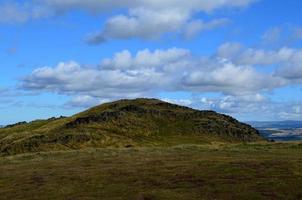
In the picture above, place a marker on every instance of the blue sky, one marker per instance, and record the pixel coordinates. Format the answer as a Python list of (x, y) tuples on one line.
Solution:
[(242, 58)]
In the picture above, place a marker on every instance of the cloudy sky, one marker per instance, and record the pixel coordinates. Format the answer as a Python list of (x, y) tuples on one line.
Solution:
[(239, 57)]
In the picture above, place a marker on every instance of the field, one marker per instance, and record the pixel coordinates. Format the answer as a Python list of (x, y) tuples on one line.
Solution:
[(216, 171)]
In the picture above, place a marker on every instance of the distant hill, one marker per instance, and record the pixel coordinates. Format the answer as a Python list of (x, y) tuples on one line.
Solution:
[(280, 130), (276, 124), (125, 123)]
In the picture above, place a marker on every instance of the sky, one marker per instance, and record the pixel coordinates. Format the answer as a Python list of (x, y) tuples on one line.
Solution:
[(238, 57)]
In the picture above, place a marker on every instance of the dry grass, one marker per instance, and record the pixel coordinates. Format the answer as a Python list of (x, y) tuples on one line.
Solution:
[(218, 171)]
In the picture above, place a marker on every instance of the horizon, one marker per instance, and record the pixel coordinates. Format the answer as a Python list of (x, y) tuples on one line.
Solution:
[(62, 57)]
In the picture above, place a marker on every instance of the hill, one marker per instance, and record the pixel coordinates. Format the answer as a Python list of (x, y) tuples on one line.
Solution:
[(279, 130), (277, 124), (125, 123)]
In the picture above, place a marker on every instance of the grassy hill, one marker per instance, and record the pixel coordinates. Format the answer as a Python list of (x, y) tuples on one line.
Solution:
[(125, 123), (177, 153)]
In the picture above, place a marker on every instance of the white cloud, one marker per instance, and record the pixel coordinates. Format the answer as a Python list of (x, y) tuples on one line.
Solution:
[(249, 56), (145, 19), (150, 24), (84, 101), (229, 78), (291, 71), (287, 60), (229, 50), (143, 23), (241, 88), (291, 112), (280, 36), (196, 26), (67, 78), (97, 5), (149, 19), (240, 106), (263, 57), (145, 59), (246, 107), (148, 72)]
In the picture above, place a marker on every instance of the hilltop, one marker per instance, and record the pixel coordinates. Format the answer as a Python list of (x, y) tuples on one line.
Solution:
[(125, 123)]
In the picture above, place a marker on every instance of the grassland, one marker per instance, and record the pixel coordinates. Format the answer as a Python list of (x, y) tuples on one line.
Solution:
[(214, 171)]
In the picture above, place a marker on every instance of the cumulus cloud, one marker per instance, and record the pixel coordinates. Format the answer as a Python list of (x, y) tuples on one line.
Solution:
[(242, 89), (96, 5), (122, 76), (229, 50), (159, 59), (246, 106), (263, 57), (145, 19), (287, 60), (249, 56), (226, 104), (241, 104), (67, 78), (141, 23), (281, 36), (84, 101), (292, 69), (148, 72), (196, 26), (288, 110), (150, 24), (222, 79)]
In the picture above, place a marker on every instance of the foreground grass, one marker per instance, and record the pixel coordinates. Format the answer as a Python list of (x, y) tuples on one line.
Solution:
[(217, 171)]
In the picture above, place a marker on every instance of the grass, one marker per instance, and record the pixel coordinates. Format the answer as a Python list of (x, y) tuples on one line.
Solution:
[(209, 171)]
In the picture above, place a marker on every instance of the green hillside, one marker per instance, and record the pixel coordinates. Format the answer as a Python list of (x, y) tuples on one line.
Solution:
[(125, 123)]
